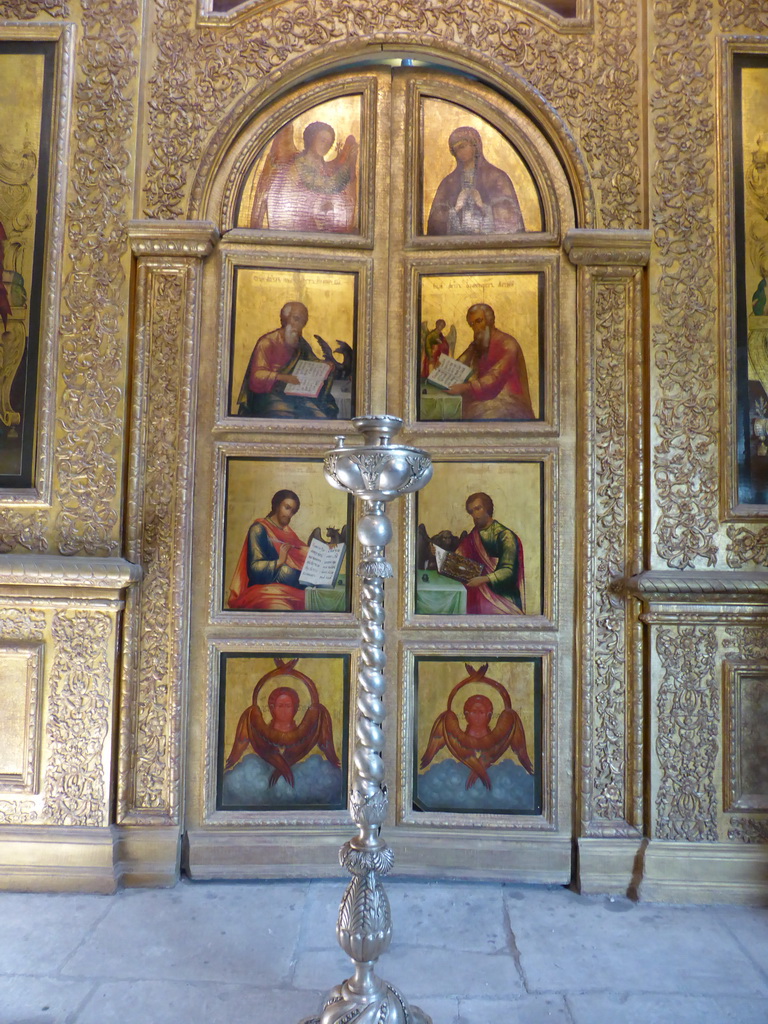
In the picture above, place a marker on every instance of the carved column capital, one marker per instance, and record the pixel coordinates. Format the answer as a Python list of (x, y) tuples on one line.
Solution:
[(592, 248), (195, 238)]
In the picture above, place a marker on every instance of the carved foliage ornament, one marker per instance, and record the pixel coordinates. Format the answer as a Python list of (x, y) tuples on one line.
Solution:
[(737, 15), (686, 412), (165, 340), (747, 643), (749, 830), (609, 685), (201, 73), (88, 451), (28, 9), (745, 546), (688, 712), (78, 720)]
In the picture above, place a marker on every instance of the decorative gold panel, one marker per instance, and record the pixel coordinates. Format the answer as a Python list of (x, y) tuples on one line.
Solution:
[(745, 712), (20, 698)]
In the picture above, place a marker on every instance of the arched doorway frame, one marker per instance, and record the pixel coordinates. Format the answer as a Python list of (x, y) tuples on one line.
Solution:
[(609, 289)]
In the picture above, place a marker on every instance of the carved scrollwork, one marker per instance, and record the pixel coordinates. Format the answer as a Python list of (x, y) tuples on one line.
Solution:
[(746, 546), (748, 643), (687, 409), (25, 10), (23, 530), (158, 516), (18, 812), (219, 66), (21, 624), (89, 449), (78, 719), (609, 760), (738, 15), (749, 830), (688, 709)]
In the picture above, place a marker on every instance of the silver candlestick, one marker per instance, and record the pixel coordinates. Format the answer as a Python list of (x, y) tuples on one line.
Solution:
[(377, 472)]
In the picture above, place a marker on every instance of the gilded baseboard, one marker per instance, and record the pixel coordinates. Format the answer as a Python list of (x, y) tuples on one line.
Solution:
[(680, 872), (57, 859), (148, 855)]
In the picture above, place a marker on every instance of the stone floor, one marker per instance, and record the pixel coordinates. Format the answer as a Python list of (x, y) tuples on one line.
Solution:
[(466, 953)]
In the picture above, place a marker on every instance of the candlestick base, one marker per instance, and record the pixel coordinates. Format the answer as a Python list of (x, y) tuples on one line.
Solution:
[(386, 1006)]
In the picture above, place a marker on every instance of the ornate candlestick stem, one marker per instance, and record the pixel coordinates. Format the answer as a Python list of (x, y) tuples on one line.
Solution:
[(377, 472)]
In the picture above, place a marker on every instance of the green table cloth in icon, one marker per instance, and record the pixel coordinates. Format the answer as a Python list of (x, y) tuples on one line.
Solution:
[(435, 404), (327, 599), (439, 595)]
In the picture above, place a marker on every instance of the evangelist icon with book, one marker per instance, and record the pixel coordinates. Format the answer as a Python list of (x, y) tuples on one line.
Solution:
[(323, 564)]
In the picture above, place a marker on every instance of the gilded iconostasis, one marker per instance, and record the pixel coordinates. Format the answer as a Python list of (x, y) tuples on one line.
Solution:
[(227, 229)]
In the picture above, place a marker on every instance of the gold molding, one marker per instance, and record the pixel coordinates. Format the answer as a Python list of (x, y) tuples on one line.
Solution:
[(74, 571), (194, 238), (588, 247), (668, 585)]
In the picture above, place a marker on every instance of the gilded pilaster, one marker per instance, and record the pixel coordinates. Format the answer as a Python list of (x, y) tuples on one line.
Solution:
[(610, 714), (158, 525)]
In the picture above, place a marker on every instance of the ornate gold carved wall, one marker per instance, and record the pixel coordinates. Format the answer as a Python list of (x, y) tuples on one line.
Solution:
[(669, 589)]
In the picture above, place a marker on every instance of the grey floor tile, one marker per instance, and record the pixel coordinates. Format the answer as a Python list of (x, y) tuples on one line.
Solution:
[(323, 968), (528, 1010), (450, 915), (164, 1002), (666, 1009), (224, 933), (422, 972), (749, 926), (29, 1000), (321, 909), (40, 930), (571, 943), (442, 1011)]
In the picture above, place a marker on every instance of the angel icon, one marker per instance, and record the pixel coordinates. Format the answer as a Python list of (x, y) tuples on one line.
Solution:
[(479, 746), (299, 190), (283, 743)]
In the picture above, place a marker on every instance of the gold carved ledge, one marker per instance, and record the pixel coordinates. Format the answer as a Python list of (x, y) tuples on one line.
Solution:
[(192, 238), (44, 571), (589, 248), (681, 585)]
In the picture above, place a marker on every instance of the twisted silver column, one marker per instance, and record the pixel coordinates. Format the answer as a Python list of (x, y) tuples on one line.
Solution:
[(377, 472)]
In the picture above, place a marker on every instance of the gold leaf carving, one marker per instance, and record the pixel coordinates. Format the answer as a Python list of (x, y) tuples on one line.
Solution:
[(748, 643), (737, 15), (78, 719), (746, 546), (18, 624), (158, 535), (88, 452), (23, 530), (28, 9), (688, 709), (749, 830), (686, 412), (202, 74), (17, 812), (610, 512)]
